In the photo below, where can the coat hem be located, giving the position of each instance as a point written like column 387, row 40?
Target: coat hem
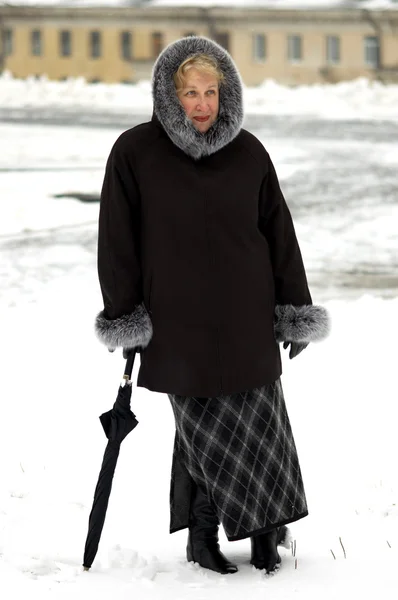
column 214, row 393
column 236, row 538
column 175, row 529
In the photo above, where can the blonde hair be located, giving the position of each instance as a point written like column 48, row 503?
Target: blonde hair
column 202, row 62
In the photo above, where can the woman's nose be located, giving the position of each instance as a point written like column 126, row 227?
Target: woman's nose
column 202, row 103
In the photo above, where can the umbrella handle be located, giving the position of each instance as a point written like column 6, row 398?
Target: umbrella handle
column 129, row 364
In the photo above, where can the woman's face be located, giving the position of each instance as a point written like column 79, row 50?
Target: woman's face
column 200, row 98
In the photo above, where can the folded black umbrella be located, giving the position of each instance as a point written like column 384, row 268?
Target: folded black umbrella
column 117, row 423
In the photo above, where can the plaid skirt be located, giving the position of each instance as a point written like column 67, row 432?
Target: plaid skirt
column 240, row 449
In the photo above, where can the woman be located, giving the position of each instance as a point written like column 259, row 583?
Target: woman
column 199, row 266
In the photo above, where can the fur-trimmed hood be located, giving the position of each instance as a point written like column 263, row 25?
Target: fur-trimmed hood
column 171, row 113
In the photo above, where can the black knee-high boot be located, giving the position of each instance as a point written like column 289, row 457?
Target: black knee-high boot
column 203, row 546
column 264, row 548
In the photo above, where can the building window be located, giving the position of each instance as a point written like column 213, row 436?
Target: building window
column 222, row 39
column 157, row 43
column 65, row 43
column 95, row 44
column 294, row 48
column 332, row 49
column 8, row 42
column 126, row 45
column 36, row 42
column 372, row 51
column 259, row 47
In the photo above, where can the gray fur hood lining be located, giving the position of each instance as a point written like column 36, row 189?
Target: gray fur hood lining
column 171, row 113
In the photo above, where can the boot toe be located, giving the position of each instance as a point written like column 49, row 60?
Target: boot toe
column 231, row 568
column 213, row 559
column 265, row 552
column 269, row 566
column 216, row 561
column 273, row 567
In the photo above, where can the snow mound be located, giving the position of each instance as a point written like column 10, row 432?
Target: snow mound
column 357, row 99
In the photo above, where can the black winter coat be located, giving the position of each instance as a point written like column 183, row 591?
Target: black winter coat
column 197, row 255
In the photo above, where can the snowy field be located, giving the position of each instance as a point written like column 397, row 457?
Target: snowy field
column 339, row 177
column 358, row 99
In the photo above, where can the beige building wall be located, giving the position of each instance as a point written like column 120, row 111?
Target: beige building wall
column 111, row 67
column 314, row 65
column 390, row 48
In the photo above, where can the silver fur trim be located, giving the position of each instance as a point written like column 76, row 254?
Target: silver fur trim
column 171, row 113
column 127, row 331
column 305, row 323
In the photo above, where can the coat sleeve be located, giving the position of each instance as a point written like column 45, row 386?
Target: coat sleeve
column 296, row 318
column 124, row 320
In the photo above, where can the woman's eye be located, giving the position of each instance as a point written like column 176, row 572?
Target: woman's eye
column 192, row 93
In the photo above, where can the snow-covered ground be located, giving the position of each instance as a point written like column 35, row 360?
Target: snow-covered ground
column 358, row 99
column 339, row 180
column 57, row 379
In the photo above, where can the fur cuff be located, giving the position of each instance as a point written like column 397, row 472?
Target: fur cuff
column 127, row 331
column 303, row 324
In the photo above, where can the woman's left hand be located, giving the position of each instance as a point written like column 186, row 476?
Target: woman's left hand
column 295, row 348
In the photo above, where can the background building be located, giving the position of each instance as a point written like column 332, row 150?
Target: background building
column 296, row 45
